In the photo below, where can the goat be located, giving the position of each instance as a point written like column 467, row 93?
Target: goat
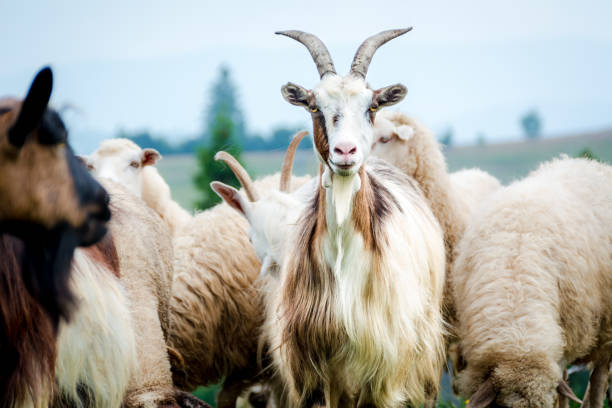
column 357, row 313
column 49, row 205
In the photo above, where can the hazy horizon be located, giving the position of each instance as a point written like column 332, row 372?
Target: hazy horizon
column 475, row 67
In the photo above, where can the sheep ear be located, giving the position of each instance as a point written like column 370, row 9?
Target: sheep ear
column 564, row 389
column 484, row 396
column 150, row 157
column 404, row 132
column 296, row 95
column 231, row 196
column 389, row 95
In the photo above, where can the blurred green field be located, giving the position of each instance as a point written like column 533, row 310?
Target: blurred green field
column 507, row 161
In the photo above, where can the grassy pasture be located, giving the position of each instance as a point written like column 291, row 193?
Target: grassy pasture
column 507, row 161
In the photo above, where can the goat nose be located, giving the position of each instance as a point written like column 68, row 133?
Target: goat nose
column 345, row 149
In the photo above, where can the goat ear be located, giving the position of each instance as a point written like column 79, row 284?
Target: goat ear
column 231, row 196
column 150, row 157
column 484, row 396
column 32, row 108
column 389, row 95
column 296, row 95
column 564, row 389
column 186, row 400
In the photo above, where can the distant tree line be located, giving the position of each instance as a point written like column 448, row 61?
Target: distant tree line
column 277, row 139
column 223, row 101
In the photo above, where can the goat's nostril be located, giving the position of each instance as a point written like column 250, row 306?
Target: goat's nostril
column 345, row 149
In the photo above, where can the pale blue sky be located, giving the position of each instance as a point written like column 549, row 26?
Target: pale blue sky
column 472, row 65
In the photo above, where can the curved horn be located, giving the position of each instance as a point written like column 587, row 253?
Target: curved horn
column 240, row 173
column 285, row 180
column 317, row 49
column 363, row 56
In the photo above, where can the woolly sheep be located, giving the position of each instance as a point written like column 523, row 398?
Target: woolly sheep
column 411, row 147
column 114, row 350
column 532, row 282
column 215, row 306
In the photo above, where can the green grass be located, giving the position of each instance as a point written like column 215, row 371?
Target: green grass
column 505, row 161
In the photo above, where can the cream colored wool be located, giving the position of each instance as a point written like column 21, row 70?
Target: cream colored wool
column 156, row 193
column 412, row 148
column 216, row 309
column 145, row 253
column 115, row 343
column 473, row 186
column 535, row 270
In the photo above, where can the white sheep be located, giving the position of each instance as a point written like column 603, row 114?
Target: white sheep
column 215, row 307
column 411, row 147
column 113, row 352
column 531, row 282
column 124, row 162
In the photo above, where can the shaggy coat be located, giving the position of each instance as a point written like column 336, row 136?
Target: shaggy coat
column 333, row 326
column 536, row 277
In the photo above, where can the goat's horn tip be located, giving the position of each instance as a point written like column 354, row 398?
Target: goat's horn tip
column 219, row 155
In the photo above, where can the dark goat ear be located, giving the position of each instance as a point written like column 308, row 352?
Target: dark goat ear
column 295, row 94
column 33, row 107
column 484, row 396
column 389, row 95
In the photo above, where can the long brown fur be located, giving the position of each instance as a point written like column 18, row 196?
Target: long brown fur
column 27, row 337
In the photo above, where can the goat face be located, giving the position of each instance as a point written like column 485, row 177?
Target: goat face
column 44, row 186
column 122, row 161
column 343, row 109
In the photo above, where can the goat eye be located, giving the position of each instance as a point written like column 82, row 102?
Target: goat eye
column 384, row 139
column 135, row 164
column 90, row 167
column 313, row 109
column 373, row 108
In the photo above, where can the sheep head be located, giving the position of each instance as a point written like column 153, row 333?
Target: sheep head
column 122, row 161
